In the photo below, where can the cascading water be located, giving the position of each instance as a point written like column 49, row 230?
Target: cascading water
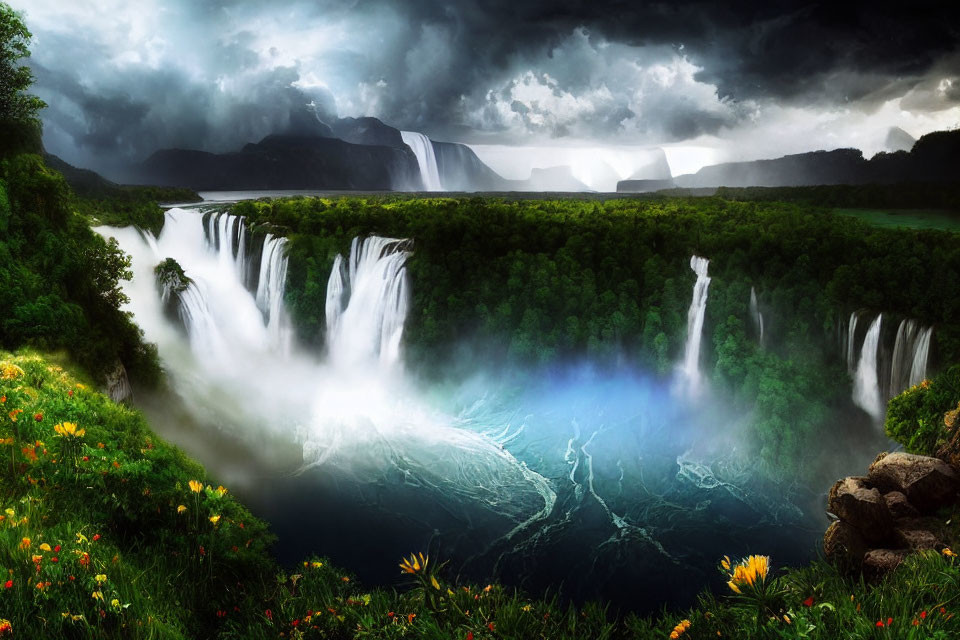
column 921, row 354
column 270, row 290
column 866, row 383
column 367, row 306
column 426, row 158
column 690, row 377
column 756, row 315
column 851, row 343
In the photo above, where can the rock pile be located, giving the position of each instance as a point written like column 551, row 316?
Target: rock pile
column 883, row 516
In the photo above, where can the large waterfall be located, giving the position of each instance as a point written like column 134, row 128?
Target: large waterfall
column 866, row 382
column 426, row 158
column 367, row 301
column 690, row 376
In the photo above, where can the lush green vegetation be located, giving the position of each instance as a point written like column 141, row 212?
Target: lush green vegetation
column 909, row 195
column 106, row 531
column 538, row 281
column 906, row 218
column 915, row 417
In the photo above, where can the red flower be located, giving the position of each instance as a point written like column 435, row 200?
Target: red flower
column 56, row 549
column 943, row 611
column 889, row 621
column 8, row 584
column 490, row 626
column 879, row 623
column 70, row 393
column 96, row 537
column 86, row 458
column 295, row 622
column 923, row 615
column 469, row 635
column 916, row 622
column 808, row 602
column 72, row 578
column 54, row 559
column 390, row 614
column 269, row 614
column 38, row 417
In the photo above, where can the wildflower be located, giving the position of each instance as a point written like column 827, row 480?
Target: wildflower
column 490, row 626
column 808, row 602
column 36, row 559
column 5, row 627
column 725, row 563
column 943, row 611
column 86, row 458
column 38, row 417
column 526, row 607
column 69, row 430
column 181, row 508
column 749, row 572
column 916, row 622
column 195, row 486
column 54, row 559
column 14, row 413
column 56, row 549
column 115, row 603
column 96, row 537
column 390, row 614
column 215, row 519
column 97, row 595
column 70, row 393
column 889, row 621
column 316, row 565
column 11, row 372
column 8, row 584
column 469, row 635
column 45, row 547
column 6, row 440
column 680, row 629
column 101, row 578
column 345, row 579
column 220, row 491
column 433, row 581
column 410, row 617
column 879, row 623
column 948, row 553
column 786, row 619
column 923, row 615
column 25, row 543
column 415, row 564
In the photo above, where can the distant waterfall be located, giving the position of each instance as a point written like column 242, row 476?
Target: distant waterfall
column 270, row 290
column 866, row 383
column 426, row 158
column 367, row 301
column 852, row 343
column 921, row 353
column 755, row 314
column 690, row 369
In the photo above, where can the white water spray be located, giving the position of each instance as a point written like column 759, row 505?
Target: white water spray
column 921, row 354
column 691, row 381
column 851, row 343
column 866, row 384
column 426, row 158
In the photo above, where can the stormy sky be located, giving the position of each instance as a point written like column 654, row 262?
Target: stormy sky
column 709, row 82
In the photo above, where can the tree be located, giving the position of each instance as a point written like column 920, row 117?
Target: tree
column 19, row 124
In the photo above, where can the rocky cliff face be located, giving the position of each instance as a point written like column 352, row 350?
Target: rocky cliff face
column 286, row 162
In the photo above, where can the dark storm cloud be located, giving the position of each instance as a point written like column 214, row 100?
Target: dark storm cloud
column 217, row 74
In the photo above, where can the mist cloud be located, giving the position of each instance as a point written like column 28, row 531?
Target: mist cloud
column 125, row 79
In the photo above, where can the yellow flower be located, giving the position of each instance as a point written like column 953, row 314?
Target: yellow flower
column 97, row 595
column 786, row 619
column 181, row 508
column 11, row 372
column 69, row 430
column 527, row 607
column 433, row 581
column 414, row 564
column 6, row 440
column 749, row 572
column 316, row 565
column 220, row 491
column 101, row 578
column 733, row 586
column 215, row 519
column 10, row 512
column 115, row 603
column 44, row 547
column 195, row 486
column 948, row 552
column 725, row 563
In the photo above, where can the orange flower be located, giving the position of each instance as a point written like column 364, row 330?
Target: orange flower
column 410, row 618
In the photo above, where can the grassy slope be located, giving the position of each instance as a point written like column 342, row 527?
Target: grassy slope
column 94, row 545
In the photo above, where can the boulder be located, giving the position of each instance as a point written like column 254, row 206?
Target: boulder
column 899, row 506
column 878, row 562
column 862, row 508
column 843, row 542
column 915, row 538
column 927, row 482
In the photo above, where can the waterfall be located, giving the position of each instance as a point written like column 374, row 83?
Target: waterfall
column 367, row 302
column 866, row 383
column 690, row 369
column 226, row 234
column 852, row 343
column 755, row 314
column 426, row 158
column 921, row 353
column 270, row 290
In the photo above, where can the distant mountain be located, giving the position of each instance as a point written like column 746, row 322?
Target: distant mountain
column 644, row 186
column 461, row 170
column 286, row 162
column 84, row 182
column 934, row 158
column 553, row 179
column 369, row 131
column 898, row 140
